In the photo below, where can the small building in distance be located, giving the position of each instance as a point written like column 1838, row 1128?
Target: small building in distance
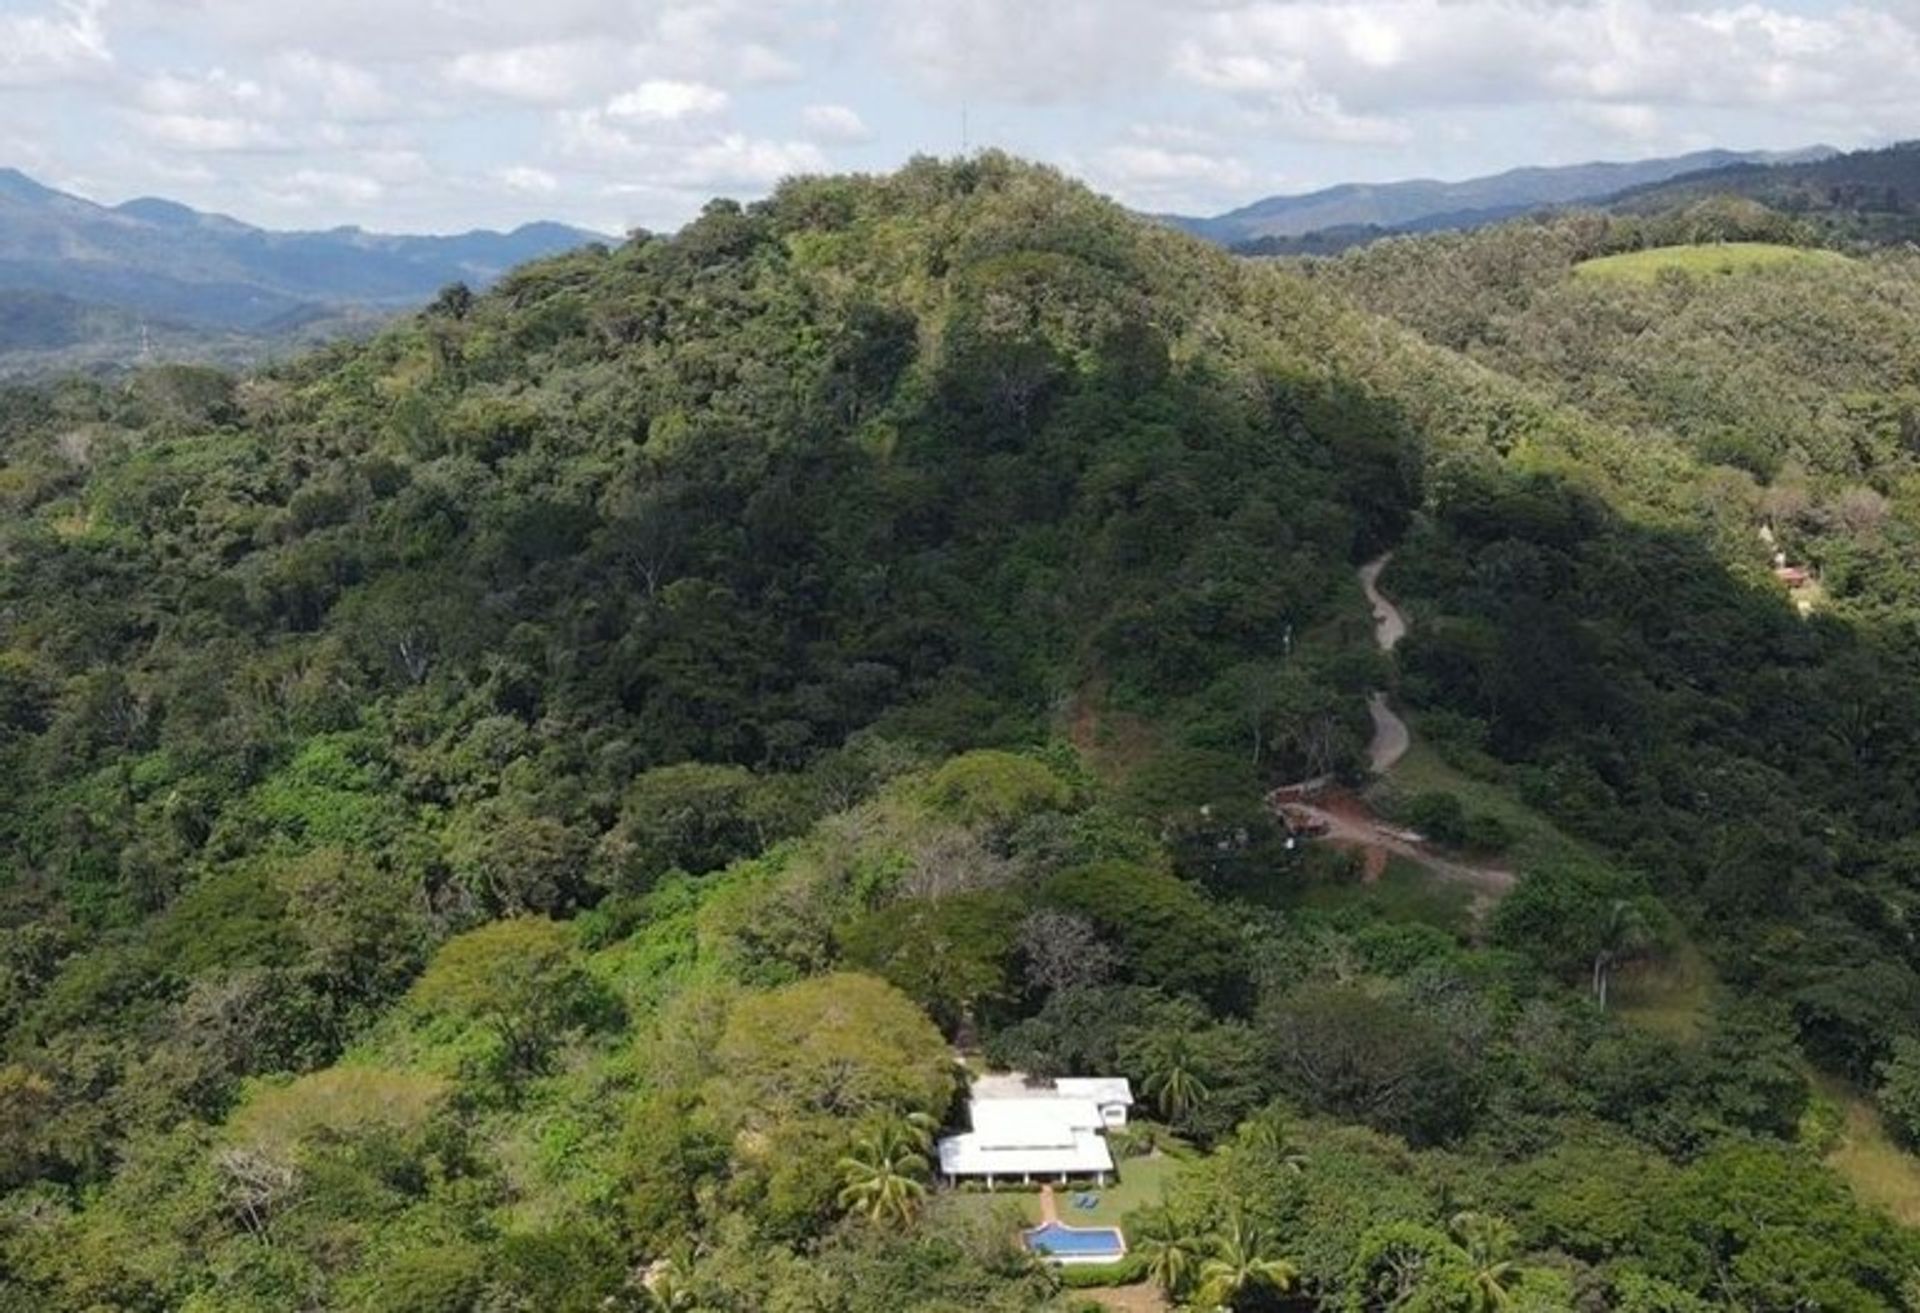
column 1024, row 1135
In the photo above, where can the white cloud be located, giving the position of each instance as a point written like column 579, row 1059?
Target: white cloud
column 551, row 74
column 68, row 41
column 1153, row 164
column 661, row 100
column 343, row 90
column 1037, row 53
column 737, row 161
column 210, row 132
column 1372, row 56
column 527, row 180
column 211, row 93
column 1162, row 178
column 457, row 109
column 1632, row 122
column 395, row 165
column 353, row 189
column 835, row 124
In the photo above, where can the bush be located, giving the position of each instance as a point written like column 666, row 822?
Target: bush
column 1899, row 1092
column 1087, row 1276
column 1439, row 816
column 1487, row 834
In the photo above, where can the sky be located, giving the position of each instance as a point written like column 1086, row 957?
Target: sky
column 442, row 115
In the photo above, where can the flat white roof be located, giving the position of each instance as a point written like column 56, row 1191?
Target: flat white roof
column 964, row 1155
column 1102, row 1090
column 1032, row 1123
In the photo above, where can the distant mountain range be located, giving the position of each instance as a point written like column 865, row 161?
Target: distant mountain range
column 1423, row 204
column 75, row 274
column 1866, row 195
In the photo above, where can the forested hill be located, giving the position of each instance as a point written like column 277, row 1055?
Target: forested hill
column 1869, row 195
column 517, row 814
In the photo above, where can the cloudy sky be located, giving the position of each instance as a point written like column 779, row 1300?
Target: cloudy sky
column 445, row 114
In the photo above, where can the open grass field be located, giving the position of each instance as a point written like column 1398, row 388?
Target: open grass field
column 1536, row 840
column 1718, row 258
column 1403, row 893
column 1880, row 1171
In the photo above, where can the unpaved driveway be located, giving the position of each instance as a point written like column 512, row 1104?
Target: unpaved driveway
column 1348, row 821
column 1391, row 738
column 1389, row 626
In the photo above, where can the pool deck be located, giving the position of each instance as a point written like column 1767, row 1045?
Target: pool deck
column 1049, row 1206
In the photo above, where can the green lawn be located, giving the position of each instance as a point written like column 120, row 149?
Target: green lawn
column 1021, row 1208
column 1706, row 259
column 1403, row 893
column 1140, row 1183
column 1536, row 840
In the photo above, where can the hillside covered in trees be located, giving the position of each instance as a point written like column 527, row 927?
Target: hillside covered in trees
column 521, row 813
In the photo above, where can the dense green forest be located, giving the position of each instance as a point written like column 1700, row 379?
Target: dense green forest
column 521, row 813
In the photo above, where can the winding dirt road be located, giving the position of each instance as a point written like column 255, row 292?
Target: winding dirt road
column 1389, row 626
column 1391, row 738
column 1346, row 819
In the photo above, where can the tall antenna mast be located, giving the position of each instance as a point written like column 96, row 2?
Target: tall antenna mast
column 965, row 144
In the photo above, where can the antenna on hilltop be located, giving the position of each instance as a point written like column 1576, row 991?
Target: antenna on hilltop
column 965, row 145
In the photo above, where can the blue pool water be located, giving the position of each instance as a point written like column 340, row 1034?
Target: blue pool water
column 1058, row 1240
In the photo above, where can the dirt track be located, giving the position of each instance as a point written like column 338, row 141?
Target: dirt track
column 1348, row 820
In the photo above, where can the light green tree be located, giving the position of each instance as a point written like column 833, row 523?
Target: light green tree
column 1239, row 1267
column 1171, row 1078
column 1173, row 1254
column 886, row 1174
column 1489, row 1243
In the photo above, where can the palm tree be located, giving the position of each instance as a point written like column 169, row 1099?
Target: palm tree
column 915, row 1130
column 1489, row 1244
column 1624, row 935
column 1268, row 1134
column 885, row 1175
column 1173, row 1255
column 1171, row 1080
column 1237, row 1267
column 665, row 1290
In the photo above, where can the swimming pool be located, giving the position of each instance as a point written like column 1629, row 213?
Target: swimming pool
column 1074, row 1244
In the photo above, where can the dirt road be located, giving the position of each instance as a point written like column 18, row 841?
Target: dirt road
column 1389, row 626
column 1347, row 820
column 1391, row 738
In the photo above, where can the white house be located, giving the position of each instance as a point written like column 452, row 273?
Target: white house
column 1049, row 1136
column 1112, row 1095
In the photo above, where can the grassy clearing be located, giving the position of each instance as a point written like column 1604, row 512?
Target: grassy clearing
column 1670, row 997
column 1707, row 260
column 1403, row 893
column 1536, row 840
column 1880, row 1171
